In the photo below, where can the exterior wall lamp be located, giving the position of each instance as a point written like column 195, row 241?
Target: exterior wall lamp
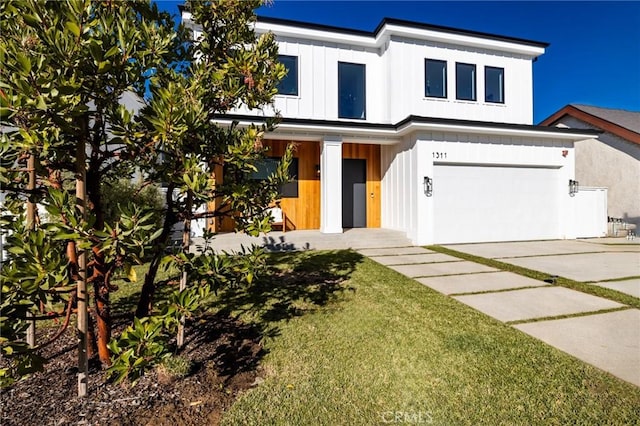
column 573, row 187
column 428, row 186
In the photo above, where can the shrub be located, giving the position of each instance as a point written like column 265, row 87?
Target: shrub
column 117, row 194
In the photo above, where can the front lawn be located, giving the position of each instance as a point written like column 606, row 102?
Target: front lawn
column 380, row 348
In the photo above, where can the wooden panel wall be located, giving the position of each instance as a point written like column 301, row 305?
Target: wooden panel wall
column 371, row 153
column 302, row 212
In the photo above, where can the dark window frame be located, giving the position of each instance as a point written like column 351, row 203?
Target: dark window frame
column 295, row 92
column 445, row 77
column 341, row 113
column 290, row 189
column 486, row 99
column 474, row 87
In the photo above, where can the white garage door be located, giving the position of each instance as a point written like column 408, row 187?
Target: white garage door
column 495, row 203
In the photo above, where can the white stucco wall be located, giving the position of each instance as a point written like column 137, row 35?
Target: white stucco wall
column 613, row 163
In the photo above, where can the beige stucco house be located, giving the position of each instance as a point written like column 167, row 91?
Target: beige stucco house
column 612, row 160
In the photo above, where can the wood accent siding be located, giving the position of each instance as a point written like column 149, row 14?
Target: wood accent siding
column 371, row 153
column 302, row 212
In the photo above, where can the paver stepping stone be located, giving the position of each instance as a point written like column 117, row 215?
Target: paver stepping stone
column 610, row 341
column 446, row 268
column 415, row 258
column 475, row 283
column 391, row 251
column 584, row 267
column 534, row 303
column 631, row 287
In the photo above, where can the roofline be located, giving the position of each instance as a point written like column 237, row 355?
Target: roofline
column 593, row 120
column 389, row 27
column 400, row 22
column 416, row 123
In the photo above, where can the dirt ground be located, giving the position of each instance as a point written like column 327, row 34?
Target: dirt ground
column 225, row 355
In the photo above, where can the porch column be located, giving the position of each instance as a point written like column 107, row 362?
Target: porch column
column 331, row 185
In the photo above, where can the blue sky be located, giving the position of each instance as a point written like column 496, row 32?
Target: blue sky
column 593, row 59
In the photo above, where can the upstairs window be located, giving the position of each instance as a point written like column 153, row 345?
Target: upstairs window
column 266, row 168
column 289, row 84
column 435, row 78
column 494, row 85
column 351, row 90
column 465, row 82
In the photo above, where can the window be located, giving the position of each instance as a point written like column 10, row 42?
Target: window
column 268, row 166
column 465, row 82
column 435, row 78
column 289, row 84
column 494, row 85
column 351, row 90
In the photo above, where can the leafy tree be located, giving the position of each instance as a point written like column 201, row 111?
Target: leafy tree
column 66, row 67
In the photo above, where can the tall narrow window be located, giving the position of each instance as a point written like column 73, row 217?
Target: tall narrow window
column 435, row 78
column 465, row 82
column 289, row 84
column 351, row 90
column 494, row 85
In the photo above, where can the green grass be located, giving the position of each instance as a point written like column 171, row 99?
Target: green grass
column 595, row 290
column 379, row 347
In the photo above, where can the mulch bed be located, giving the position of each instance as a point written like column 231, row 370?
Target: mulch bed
column 225, row 354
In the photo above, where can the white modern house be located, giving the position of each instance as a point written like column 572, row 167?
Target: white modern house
column 418, row 128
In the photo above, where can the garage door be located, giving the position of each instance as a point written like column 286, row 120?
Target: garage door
column 495, row 203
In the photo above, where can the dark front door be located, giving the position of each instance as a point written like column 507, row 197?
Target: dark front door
column 354, row 193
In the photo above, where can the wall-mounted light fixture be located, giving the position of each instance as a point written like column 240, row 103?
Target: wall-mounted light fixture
column 318, row 171
column 573, row 187
column 428, row 186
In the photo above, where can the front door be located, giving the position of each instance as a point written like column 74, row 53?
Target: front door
column 354, row 193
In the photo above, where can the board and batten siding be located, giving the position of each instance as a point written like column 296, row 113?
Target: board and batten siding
column 404, row 166
column 405, row 80
column 395, row 79
column 400, row 186
column 318, row 80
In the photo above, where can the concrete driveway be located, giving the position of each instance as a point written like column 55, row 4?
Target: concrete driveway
column 585, row 261
column 594, row 329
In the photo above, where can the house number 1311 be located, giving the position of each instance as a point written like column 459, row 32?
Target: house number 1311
column 440, row 155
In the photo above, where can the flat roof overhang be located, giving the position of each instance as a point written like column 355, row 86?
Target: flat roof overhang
column 389, row 134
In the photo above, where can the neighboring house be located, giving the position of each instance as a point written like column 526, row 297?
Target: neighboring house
column 612, row 160
column 419, row 128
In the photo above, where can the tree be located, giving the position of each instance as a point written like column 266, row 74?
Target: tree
column 67, row 67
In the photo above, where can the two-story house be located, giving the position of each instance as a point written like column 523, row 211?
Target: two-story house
column 418, row 128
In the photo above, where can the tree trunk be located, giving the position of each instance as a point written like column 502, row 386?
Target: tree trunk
column 149, row 287
column 103, row 320
column 186, row 241
column 81, row 286
column 100, row 278
column 31, row 225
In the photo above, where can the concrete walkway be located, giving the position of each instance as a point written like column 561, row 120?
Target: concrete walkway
column 277, row 241
column 599, row 331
